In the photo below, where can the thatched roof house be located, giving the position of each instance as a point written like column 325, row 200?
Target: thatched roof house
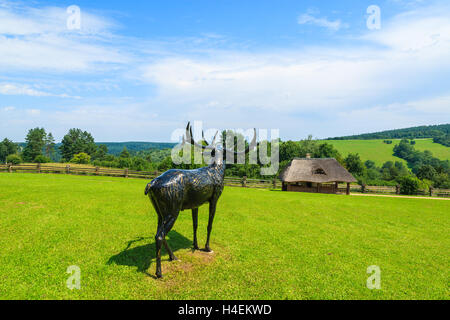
column 315, row 175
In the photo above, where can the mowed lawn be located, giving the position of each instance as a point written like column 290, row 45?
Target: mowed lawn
column 380, row 152
column 267, row 244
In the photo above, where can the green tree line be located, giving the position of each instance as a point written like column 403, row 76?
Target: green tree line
column 79, row 146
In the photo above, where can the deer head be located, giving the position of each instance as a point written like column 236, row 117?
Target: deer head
column 218, row 153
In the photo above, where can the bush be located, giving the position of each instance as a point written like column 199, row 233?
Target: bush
column 139, row 164
column 14, row 159
column 410, row 185
column 124, row 163
column 42, row 159
column 81, row 158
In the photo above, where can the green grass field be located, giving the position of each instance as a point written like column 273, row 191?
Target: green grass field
column 268, row 244
column 380, row 152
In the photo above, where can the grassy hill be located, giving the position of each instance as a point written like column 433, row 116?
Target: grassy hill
column 267, row 244
column 408, row 133
column 381, row 152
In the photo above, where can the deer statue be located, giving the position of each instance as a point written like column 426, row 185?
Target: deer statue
column 177, row 190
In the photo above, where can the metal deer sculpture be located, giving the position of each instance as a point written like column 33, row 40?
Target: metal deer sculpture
column 178, row 190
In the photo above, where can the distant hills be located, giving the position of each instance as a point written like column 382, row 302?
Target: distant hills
column 420, row 132
column 133, row 146
column 115, row 148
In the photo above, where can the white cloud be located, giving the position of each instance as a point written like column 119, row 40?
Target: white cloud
column 405, row 61
column 33, row 112
column 393, row 77
column 26, row 90
column 308, row 18
column 38, row 39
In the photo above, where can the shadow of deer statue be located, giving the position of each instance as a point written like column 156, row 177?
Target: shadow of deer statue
column 177, row 190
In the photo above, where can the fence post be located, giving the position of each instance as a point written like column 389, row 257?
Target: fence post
column 126, row 173
column 274, row 183
column 431, row 191
column 397, row 189
column 68, row 169
column 97, row 169
column 363, row 188
column 348, row 188
column 10, row 167
column 38, row 168
column 244, row 181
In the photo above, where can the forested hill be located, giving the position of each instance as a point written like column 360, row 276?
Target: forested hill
column 116, row 147
column 434, row 131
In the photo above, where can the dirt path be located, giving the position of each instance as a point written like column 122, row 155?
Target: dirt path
column 391, row 196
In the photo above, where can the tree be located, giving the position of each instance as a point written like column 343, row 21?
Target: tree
column 35, row 144
column 101, row 153
column 124, row 153
column 370, row 164
column 138, row 164
column 14, row 159
column 77, row 141
column 426, row 172
column 354, row 164
column 326, row 150
column 409, row 185
column 289, row 150
column 81, row 158
column 42, row 159
column 7, row 147
column 49, row 145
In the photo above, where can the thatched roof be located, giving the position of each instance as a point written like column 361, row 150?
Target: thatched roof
column 315, row 170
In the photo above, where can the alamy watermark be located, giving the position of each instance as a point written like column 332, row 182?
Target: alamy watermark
column 373, row 21
column 266, row 154
column 74, row 281
column 374, row 280
column 73, row 21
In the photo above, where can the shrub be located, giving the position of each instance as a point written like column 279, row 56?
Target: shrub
column 42, row 159
column 81, row 158
column 139, row 164
column 409, row 185
column 124, row 163
column 14, row 159
column 426, row 172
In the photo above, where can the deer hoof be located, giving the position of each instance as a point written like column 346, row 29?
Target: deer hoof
column 159, row 276
column 174, row 258
column 208, row 250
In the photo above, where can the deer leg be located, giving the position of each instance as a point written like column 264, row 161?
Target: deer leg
column 195, row 223
column 159, row 239
column 212, row 212
column 171, row 255
column 167, row 227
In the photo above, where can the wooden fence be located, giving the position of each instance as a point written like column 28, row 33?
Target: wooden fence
column 229, row 181
column 126, row 173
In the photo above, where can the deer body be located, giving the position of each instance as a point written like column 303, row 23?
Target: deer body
column 189, row 189
column 177, row 190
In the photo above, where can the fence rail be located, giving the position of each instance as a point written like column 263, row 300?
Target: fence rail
column 228, row 181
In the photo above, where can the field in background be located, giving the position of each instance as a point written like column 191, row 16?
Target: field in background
column 380, row 152
column 268, row 244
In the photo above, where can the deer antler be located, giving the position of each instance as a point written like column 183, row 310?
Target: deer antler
column 251, row 146
column 210, row 146
column 214, row 139
column 190, row 139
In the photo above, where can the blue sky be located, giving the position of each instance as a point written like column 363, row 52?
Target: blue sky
column 138, row 70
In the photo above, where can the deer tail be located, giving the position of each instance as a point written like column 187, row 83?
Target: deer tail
column 147, row 189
